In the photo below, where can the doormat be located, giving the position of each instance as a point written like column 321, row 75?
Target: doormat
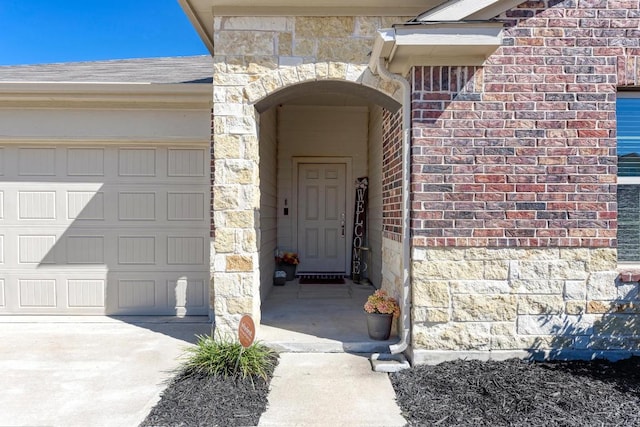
column 321, row 280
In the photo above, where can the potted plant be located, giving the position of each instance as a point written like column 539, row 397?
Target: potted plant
column 381, row 309
column 287, row 262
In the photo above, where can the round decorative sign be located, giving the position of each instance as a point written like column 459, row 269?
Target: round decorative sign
column 246, row 331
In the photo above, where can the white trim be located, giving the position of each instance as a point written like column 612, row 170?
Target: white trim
column 58, row 141
column 194, row 96
column 202, row 28
column 349, row 195
column 459, row 10
column 406, row 46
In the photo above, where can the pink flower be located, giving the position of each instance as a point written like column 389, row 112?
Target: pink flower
column 380, row 302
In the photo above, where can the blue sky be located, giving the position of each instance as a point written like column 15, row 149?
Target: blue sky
column 48, row 31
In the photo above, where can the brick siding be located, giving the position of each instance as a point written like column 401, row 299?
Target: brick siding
column 521, row 152
column 392, row 175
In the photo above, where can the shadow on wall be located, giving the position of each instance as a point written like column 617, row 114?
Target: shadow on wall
column 603, row 329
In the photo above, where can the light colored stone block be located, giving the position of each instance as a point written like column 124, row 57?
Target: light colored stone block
column 325, row 26
column 556, row 324
column 431, row 315
column 617, row 325
column 285, row 44
column 575, row 254
column 244, row 43
column 449, row 270
column 599, row 307
column 483, row 308
column 445, row 254
column 575, row 307
column 307, row 72
column 355, row 51
column 540, row 304
column 535, row 270
column 453, row 336
column 225, row 241
column 239, row 263
column 602, row 286
column 226, row 197
column 255, row 91
column 480, row 287
column 627, row 291
column 249, row 240
column 305, row 47
column 603, row 259
column 429, row 293
column 260, row 64
column 496, row 270
column 241, row 125
column 538, row 286
column 255, row 24
column 366, row 26
column 289, row 76
column 575, row 289
column 568, row 270
column 337, row 70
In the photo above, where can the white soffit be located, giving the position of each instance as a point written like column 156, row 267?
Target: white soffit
column 458, row 10
column 444, row 43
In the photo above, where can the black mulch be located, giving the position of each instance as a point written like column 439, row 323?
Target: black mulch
column 518, row 393
column 198, row 400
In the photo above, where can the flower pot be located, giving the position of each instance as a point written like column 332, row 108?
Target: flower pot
column 290, row 269
column 379, row 326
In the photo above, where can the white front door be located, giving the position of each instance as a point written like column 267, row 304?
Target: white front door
column 322, row 218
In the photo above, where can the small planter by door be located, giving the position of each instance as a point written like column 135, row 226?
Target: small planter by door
column 290, row 269
column 379, row 326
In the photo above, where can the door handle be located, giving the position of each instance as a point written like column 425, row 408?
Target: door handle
column 342, row 225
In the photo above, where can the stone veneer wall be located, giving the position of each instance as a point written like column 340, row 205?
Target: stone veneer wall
column 514, row 189
column 256, row 57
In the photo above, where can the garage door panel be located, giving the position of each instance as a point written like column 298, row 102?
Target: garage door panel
column 85, row 162
column 95, row 230
column 186, row 162
column 53, row 291
column 137, row 162
column 136, row 206
column 155, row 293
column 37, row 161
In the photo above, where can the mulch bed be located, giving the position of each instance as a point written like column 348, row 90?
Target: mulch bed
column 199, row 400
column 459, row 393
column 518, row 393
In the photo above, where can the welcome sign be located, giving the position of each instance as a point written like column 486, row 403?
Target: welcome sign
column 359, row 227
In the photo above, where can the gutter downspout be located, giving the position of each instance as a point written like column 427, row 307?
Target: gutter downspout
column 406, row 247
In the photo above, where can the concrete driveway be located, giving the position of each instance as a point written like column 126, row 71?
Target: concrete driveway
column 87, row 371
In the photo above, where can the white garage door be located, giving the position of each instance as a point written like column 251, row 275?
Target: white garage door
column 104, row 230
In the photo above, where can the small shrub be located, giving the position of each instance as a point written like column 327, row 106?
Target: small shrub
column 228, row 358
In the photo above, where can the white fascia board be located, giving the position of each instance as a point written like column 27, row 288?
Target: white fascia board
column 383, row 46
column 406, row 46
column 202, row 21
column 111, row 95
column 445, row 34
column 458, row 10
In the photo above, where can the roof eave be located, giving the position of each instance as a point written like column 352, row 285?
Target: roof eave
column 194, row 96
column 196, row 19
column 442, row 43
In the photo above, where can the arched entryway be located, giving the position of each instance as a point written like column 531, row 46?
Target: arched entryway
column 315, row 139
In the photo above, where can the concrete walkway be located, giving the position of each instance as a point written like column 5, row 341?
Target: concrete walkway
column 87, row 371
column 101, row 371
column 330, row 389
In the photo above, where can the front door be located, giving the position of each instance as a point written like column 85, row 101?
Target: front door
column 321, row 218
